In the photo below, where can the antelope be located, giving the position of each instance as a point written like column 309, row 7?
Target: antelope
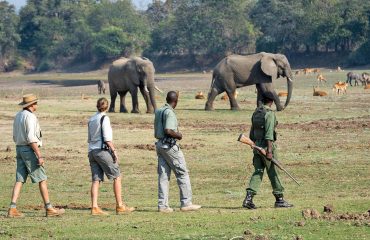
column 83, row 97
column 320, row 78
column 225, row 97
column 340, row 87
column 199, row 95
column 367, row 86
column 282, row 94
column 319, row 93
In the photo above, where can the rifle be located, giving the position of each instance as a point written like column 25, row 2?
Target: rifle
column 246, row 140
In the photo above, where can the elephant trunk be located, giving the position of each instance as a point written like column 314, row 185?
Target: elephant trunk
column 290, row 90
column 152, row 96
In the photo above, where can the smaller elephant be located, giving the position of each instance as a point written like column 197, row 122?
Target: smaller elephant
column 365, row 78
column 101, row 86
column 353, row 76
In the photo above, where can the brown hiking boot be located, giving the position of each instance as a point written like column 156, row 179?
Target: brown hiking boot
column 14, row 213
column 124, row 209
column 97, row 211
column 53, row 212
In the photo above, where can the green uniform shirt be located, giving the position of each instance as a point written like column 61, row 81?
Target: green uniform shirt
column 169, row 121
column 269, row 128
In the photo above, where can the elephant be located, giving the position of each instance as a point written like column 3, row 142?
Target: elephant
column 353, row 76
column 127, row 75
column 261, row 69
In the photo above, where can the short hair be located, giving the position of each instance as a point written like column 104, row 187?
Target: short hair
column 171, row 97
column 102, row 104
column 267, row 99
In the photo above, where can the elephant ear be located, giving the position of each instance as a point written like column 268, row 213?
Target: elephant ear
column 268, row 66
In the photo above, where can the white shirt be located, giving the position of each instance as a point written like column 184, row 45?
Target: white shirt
column 26, row 129
column 94, row 137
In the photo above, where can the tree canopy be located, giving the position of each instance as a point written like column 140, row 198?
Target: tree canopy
column 55, row 33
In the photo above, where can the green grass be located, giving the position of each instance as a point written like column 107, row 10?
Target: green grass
column 324, row 142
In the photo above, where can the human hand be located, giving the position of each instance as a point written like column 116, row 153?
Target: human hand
column 41, row 161
column 115, row 157
column 269, row 155
column 179, row 136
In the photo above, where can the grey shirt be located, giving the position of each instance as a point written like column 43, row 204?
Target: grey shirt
column 26, row 129
column 94, row 136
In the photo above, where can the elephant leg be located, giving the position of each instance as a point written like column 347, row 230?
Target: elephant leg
column 233, row 103
column 211, row 97
column 113, row 96
column 149, row 105
column 123, row 102
column 135, row 101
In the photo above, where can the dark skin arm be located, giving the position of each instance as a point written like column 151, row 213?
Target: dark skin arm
column 173, row 134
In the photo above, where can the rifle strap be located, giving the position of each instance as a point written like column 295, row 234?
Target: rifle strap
column 101, row 131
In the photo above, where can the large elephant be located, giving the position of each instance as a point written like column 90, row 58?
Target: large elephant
column 127, row 75
column 261, row 69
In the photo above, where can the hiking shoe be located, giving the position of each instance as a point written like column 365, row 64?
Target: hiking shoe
column 53, row 212
column 165, row 210
column 280, row 202
column 191, row 207
column 97, row 211
column 14, row 213
column 124, row 209
column 248, row 201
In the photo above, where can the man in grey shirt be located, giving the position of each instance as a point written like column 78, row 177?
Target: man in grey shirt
column 170, row 157
column 27, row 137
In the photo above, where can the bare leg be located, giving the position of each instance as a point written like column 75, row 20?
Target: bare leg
column 117, row 191
column 44, row 191
column 94, row 193
column 16, row 191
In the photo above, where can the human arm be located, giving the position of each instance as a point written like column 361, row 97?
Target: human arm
column 111, row 146
column 37, row 151
column 170, row 128
column 270, row 120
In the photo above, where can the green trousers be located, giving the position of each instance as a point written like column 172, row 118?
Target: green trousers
column 259, row 167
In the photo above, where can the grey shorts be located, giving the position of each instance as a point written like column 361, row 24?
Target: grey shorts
column 102, row 162
column 27, row 165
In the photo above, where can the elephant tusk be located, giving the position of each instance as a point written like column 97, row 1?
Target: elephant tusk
column 159, row 90
column 290, row 79
column 146, row 89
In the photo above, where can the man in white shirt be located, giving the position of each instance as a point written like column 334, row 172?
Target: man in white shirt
column 103, row 159
column 27, row 137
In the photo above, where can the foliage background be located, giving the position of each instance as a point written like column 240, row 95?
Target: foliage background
column 54, row 34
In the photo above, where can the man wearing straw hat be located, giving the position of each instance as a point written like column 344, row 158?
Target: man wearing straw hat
column 27, row 137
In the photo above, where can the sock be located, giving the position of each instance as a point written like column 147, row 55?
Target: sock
column 13, row 205
column 48, row 205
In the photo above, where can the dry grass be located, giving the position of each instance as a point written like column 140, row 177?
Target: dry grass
column 323, row 141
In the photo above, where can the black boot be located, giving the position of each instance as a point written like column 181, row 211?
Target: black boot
column 248, row 201
column 280, row 202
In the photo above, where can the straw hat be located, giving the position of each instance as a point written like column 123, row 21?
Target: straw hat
column 28, row 99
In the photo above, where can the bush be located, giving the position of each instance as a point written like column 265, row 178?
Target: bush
column 361, row 56
column 45, row 65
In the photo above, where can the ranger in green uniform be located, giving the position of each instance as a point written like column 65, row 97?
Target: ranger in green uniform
column 263, row 134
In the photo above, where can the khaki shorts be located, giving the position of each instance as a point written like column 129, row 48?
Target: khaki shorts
column 27, row 165
column 102, row 162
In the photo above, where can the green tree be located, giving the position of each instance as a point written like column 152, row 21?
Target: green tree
column 9, row 36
